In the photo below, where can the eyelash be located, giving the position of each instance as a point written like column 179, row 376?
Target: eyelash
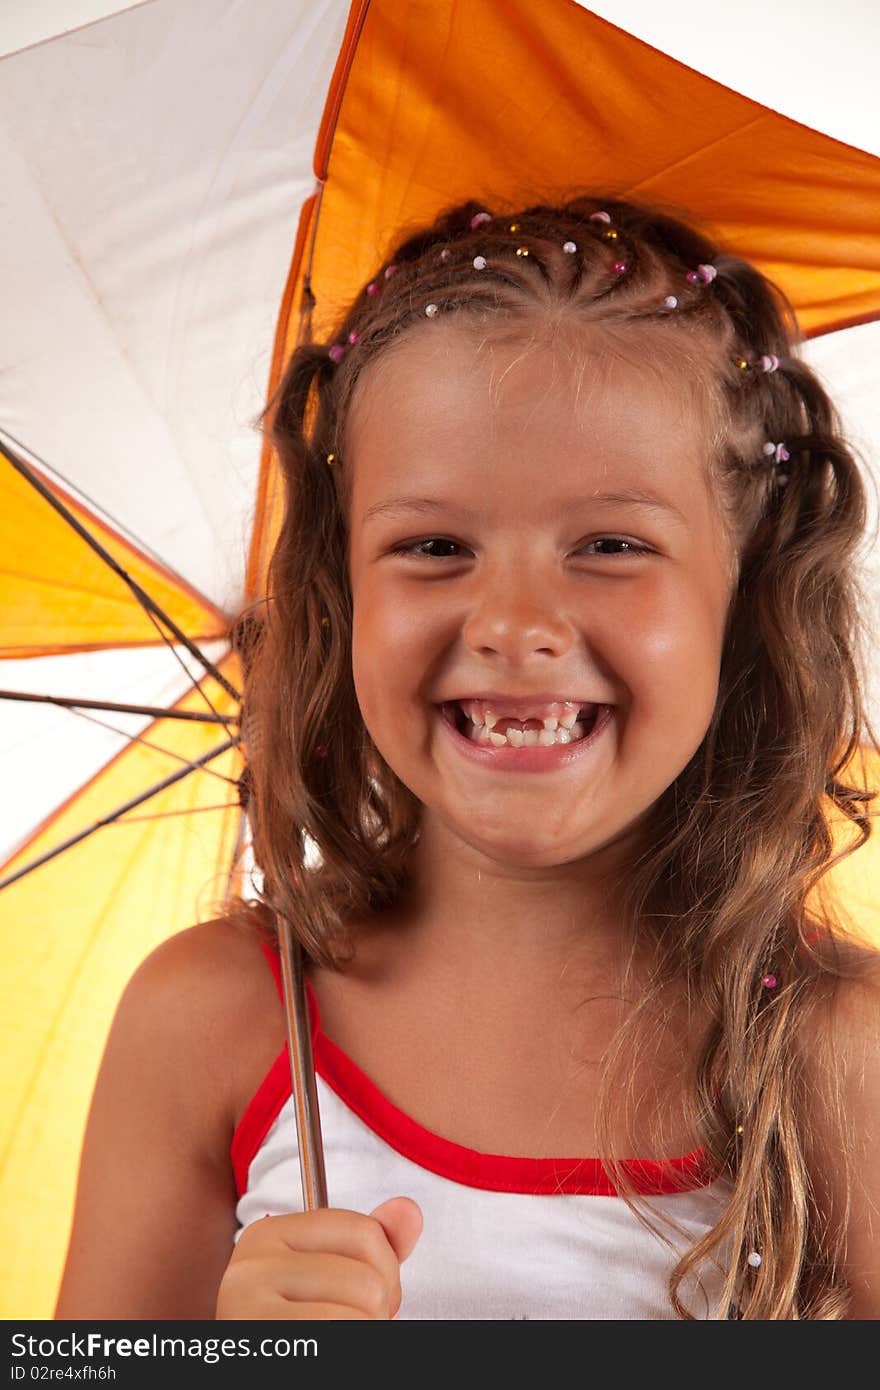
column 409, row 547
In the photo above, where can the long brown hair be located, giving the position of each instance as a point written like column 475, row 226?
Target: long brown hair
column 740, row 840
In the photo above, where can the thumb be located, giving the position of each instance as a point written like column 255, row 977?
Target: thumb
column 402, row 1221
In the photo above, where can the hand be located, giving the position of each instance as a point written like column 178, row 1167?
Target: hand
column 327, row 1264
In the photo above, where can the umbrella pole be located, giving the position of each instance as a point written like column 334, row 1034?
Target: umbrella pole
column 302, row 1070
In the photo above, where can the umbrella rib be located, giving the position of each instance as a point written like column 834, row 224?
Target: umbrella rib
column 120, row 526
column 156, row 748
column 197, row 765
column 237, row 852
column 185, row 811
column 148, row 604
column 196, row 685
column 722, row 139
column 115, row 707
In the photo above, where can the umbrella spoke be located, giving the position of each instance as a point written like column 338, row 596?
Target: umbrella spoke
column 150, row 607
column 138, row 738
column 184, row 811
column 182, row 664
column 197, row 765
column 80, row 491
column 155, row 711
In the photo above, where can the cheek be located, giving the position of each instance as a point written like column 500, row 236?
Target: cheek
column 388, row 655
column 677, row 651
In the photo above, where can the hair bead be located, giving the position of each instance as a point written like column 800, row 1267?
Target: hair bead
column 671, row 302
column 778, row 452
column 480, row 262
column 514, row 227
column 430, row 310
column 522, row 250
column 619, row 267
column 769, row 981
column 600, row 217
column 741, row 363
column 389, row 271
column 754, row 1260
column 569, row 247
column 354, row 338
column 336, row 353
column 444, row 254
column 769, row 363
column 331, row 459
column 478, row 218
column 611, row 234
column 372, row 288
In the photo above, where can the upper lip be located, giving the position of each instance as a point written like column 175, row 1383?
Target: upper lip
column 515, row 705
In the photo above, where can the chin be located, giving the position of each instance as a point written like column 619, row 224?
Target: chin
column 525, row 850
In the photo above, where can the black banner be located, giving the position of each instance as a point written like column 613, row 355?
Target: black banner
column 129, row 1355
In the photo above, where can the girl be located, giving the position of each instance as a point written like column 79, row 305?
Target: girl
column 554, row 695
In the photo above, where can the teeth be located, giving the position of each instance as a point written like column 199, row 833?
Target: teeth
column 564, row 714
column 528, row 738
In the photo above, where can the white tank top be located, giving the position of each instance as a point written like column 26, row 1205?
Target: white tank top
column 504, row 1237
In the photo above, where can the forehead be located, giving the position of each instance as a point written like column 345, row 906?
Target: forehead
column 640, row 394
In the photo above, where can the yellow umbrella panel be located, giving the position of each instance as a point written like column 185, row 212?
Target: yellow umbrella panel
column 76, row 929
column 57, row 593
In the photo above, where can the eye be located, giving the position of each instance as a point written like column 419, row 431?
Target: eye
column 632, row 547
column 412, row 548
column 415, row 547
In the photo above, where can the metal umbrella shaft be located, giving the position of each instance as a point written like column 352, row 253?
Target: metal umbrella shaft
column 302, row 1070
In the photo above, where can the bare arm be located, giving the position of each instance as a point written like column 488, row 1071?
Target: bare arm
column 155, row 1208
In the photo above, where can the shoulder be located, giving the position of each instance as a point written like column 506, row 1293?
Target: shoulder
column 206, row 1001
column 212, row 960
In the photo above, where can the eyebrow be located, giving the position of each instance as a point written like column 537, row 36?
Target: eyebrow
column 423, row 506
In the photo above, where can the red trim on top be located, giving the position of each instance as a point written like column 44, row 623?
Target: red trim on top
column 493, row 1172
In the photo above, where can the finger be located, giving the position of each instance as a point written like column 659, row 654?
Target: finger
column 330, row 1230
column 319, row 1278
column 402, row 1221
column 279, row 1310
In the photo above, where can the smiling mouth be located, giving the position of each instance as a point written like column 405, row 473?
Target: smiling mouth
column 523, row 733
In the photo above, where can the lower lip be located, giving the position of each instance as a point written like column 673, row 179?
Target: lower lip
column 535, row 759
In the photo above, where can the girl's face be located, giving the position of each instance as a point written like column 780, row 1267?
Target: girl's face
column 515, row 450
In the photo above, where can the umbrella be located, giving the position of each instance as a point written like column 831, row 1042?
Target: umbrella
column 163, row 236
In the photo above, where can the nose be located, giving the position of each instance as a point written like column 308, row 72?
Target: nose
column 513, row 616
